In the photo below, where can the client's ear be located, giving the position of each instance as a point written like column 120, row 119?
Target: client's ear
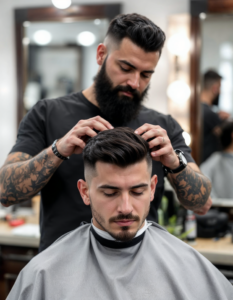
column 84, row 192
column 153, row 183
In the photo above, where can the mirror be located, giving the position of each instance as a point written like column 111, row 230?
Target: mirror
column 60, row 57
column 55, row 50
column 211, row 36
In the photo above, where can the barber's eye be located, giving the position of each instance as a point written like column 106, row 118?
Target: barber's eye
column 145, row 76
column 124, row 70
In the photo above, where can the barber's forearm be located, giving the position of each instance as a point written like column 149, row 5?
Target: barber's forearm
column 192, row 188
column 21, row 180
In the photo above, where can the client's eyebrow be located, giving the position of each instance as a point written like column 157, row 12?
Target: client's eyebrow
column 106, row 186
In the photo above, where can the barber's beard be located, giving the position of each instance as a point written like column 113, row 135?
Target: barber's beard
column 215, row 101
column 116, row 108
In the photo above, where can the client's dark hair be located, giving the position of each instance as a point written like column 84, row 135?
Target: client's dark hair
column 119, row 146
column 139, row 29
column 226, row 134
column 210, row 77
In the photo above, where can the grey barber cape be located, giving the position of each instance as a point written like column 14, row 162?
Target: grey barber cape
column 154, row 265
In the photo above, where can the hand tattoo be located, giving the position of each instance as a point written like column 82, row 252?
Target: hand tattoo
column 192, row 188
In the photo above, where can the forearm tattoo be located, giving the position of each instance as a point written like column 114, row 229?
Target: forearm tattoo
column 22, row 176
column 192, row 188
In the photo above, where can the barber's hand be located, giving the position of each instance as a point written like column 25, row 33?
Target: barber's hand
column 202, row 211
column 160, row 145
column 75, row 140
column 223, row 115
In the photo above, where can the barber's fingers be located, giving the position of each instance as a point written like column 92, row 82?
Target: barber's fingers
column 145, row 128
column 97, row 123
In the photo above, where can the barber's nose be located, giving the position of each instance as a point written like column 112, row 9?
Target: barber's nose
column 125, row 206
column 134, row 81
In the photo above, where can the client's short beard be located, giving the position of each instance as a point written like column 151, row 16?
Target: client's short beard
column 124, row 235
column 119, row 110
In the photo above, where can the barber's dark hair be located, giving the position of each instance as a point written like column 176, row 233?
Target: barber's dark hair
column 139, row 29
column 226, row 134
column 210, row 77
column 119, row 146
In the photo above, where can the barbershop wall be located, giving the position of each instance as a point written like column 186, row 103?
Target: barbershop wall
column 158, row 11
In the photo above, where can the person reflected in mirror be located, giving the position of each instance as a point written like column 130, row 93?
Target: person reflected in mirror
column 219, row 166
column 119, row 255
column 211, row 120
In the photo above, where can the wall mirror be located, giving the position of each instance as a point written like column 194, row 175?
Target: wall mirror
column 212, row 48
column 56, row 50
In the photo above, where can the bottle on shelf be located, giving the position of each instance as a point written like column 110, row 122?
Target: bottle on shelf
column 191, row 226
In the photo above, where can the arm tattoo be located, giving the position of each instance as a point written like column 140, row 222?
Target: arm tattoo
column 20, row 179
column 192, row 188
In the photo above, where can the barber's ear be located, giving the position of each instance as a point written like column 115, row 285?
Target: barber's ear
column 84, row 191
column 101, row 54
column 153, row 183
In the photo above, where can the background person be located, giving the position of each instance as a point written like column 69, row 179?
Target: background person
column 120, row 255
column 126, row 59
column 210, row 119
column 219, row 166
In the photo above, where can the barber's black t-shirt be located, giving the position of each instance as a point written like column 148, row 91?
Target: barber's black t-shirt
column 62, row 208
column 210, row 141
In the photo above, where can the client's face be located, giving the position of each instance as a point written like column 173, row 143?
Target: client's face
column 120, row 198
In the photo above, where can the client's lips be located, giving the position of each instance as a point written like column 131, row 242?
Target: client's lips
column 124, row 222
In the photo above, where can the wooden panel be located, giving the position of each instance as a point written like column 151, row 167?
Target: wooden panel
column 220, row 6
column 195, row 114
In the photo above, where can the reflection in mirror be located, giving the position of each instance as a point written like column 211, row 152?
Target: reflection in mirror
column 216, row 67
column 60, row 57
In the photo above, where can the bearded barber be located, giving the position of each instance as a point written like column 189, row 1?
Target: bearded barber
column 54, row 130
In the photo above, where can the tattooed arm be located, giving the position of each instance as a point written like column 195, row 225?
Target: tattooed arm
column 192, row 188
column 23, row 176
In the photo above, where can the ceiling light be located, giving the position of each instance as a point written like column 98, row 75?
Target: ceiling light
column 202, row 16
column 178, row 91
column 42, row 37
column 26, row 24
column 61, row 4
column 97, row 21
column 86, row 38
column 26, row 41
column 178, row 44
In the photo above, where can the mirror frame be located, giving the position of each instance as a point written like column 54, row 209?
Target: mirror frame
column 197, row 7
column 40, row 14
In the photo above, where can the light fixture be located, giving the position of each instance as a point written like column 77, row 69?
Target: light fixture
column 226, row 51
column 97, row 21
column 42, row 37
column 61, row 4
column 26, row 24
column 86, row 38
column 178, row 44
column 178, row 91
column 26, row 41
column 202, row 16
column 187, row 138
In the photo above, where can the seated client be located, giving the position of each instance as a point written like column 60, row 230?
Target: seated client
column 120, row 255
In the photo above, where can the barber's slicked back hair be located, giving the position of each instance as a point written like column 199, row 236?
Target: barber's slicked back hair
column 139, row 29
column 119, row 146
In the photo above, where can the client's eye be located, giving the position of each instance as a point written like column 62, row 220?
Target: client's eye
column 110, row 195
column 137, row 194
